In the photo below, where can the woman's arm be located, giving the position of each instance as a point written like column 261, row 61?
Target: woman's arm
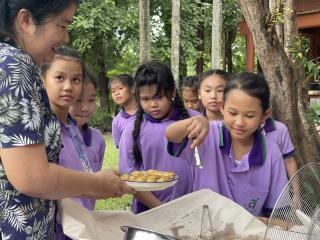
column 29, row 171
column 196, row 128
column 148, row 199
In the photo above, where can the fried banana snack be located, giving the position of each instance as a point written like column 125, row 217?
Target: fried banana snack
column 148, row 176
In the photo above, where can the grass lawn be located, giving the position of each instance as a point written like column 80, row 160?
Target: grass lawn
column 111, row 161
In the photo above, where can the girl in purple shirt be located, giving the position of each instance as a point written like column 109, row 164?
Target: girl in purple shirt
column 211, row 88
column 63, row 79
column 121, row 87
column 238, row 161
column 82, row 111
column 278, row 133
column 189, row 93
column 143, row 143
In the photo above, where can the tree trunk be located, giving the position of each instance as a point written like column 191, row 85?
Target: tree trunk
column 200, row 48
column 183, row 68
column 276, row 7
column 144, row 30
column 284, row 81
column 175, row 40
column 224, row 46
column 103, row 86
column 230, row 37
column 103, row 80
column 290, row 29
column 216, row 33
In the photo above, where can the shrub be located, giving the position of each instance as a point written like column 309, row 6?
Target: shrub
column 101, row 120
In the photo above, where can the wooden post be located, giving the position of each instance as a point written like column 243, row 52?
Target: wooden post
column 250, row 53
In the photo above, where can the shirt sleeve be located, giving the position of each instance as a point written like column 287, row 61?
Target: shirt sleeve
column 21, row 115
column 286, row 145
column 116, row 131
column 175, row 149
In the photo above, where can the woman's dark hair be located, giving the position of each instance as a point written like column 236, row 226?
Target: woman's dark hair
column 63, row 52
column 124, row 78
column 159, row 74
column 215, row 72
column 191, row 82
column 90, row 76
column 253, row 84
column 40, row 11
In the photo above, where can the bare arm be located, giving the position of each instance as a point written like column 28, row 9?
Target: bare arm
column 291, row 166
column 148, row 199
column 291, row 169
column 29, row 171
column 196, row 128
column 177, row 131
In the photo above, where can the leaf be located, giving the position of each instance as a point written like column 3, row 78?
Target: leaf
column 310, row 66
column 315, row 73
column 16, row 218
column 10, row 110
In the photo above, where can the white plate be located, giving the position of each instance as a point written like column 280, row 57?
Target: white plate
column 151, row 186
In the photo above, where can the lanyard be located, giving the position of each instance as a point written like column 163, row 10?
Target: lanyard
column 79, row 148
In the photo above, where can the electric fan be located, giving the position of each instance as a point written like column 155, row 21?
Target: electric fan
column 296, row 215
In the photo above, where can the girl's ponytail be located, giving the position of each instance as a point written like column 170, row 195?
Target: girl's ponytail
column 136, row 134
column 180, row 106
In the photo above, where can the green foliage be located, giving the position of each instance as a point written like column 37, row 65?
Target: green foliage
column 299, row 49
column 196, row 14
column 239, row 54
column 108, row 31
column 123, row 203
column 314, row 113
column 192, row 14
column 277, row 16
column 129, row 60
column 100, row 30
column 313, row 68
column 101, row 120
column 101, row 33
column 232, row 15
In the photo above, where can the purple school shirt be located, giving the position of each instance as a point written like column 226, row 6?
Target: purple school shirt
column 69, row 156
column 255, row 183
column 153, row 149
column 119, row 123
column 95, row 146
column 278, row 133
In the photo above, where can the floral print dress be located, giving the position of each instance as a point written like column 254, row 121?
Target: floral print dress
column 25, row 119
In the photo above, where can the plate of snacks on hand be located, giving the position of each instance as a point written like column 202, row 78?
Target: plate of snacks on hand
column 150, row 180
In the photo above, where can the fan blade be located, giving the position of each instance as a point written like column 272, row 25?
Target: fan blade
column 306, row 220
